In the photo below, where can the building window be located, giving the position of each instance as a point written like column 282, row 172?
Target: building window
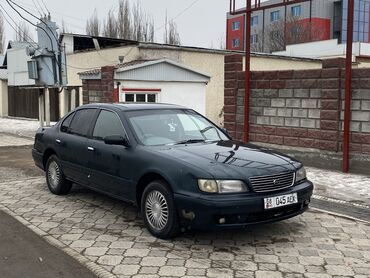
column 140, row 97
column 236, row 43
column 236, row 25
column 254, row 21
column 254, row 38
column 275, row 16
column 296, row 11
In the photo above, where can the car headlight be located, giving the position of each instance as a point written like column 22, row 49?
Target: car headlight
column 300, row 174
column 222, row 186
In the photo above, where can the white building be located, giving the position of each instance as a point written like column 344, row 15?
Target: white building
column 329, row 49
column 162, row 81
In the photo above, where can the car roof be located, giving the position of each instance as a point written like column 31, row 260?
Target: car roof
column 134, row 106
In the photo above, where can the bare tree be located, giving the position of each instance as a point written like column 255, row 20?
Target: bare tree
column 110, row 26
column 124, row 20
column 2, row 34
column 284, row 32
column 23, row 33
column 130, row 22
column 222, row 42
column 93, row 25
column 143, row 24
column 171, row 35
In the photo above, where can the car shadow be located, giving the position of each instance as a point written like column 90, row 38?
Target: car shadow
column 258, row 236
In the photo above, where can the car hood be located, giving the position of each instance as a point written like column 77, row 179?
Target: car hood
column 230, row 159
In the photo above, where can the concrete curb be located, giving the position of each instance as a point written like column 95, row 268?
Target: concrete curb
column 340, row 215
column 337, row 201
column 93, row 267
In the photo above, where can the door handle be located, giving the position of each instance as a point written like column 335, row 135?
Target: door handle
column 58, row 141
column 91, row 149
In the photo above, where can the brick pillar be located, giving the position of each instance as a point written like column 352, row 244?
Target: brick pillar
column 331, row 90
column 107, row 81
column 85, row 91
column 233, row 65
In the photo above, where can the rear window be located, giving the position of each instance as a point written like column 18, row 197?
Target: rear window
column 81, row 122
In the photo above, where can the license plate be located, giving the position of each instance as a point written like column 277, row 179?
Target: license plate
column 280, row 201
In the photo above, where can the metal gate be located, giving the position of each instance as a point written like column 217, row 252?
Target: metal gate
column 23, row 103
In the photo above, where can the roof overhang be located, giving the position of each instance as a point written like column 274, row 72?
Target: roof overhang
column 164, row 70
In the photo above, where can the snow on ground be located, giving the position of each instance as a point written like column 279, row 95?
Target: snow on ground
column 20, row 127
column 337, row 185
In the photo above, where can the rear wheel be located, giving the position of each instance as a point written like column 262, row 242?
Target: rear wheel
column 55, row 179
column 159, row 211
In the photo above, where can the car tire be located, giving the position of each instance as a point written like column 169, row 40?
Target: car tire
column 55, row 179
column 159, row 210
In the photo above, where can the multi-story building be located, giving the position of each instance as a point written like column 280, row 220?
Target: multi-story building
column 314, row 20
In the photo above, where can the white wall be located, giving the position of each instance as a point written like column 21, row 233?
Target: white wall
column 324, row 49
column 17, row 67
column 3, row 98
column 190, row 95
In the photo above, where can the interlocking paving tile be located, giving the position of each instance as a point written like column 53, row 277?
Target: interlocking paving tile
column 111, row 234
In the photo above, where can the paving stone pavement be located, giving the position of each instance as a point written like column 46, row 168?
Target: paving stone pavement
column 111, row 234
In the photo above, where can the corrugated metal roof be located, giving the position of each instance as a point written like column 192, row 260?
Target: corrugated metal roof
column 118, row 66
column 151, row 70
column 162, row 70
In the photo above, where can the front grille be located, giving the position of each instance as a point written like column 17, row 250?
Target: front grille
column 272, row 182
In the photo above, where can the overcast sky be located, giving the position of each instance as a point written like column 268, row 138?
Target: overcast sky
column 200, row 22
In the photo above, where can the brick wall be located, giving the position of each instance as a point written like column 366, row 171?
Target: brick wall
column 298, row 108
column 99, row 90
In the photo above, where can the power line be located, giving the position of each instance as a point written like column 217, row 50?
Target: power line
column 30, row 22
column 45, row 6
column 51, row 41
column 180, row 13
column 47, row 26
column 55, row 12
column 16, row 29
column 34, row 8
column 34, row 3
column 2, row 10
column 42, row 9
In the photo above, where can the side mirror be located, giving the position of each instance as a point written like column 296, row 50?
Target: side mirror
column 116, row 140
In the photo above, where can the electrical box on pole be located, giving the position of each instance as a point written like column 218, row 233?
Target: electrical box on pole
column 48, row 60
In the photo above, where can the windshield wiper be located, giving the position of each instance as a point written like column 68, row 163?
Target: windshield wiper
column 190, row 141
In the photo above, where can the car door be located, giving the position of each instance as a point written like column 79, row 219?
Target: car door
column 71, row 142
column 107, row 164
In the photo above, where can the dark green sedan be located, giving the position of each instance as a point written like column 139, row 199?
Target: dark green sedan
column 178, row 167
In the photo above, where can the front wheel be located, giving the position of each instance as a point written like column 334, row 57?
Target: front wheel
column 159, row 211
column 55, row 179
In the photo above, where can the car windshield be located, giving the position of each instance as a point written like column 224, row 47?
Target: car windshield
column 170, row 127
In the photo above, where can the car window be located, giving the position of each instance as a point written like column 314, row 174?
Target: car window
column 107, row 124
column 81, row 122
column 161, row 127
column 66, row 123
column 196, row 127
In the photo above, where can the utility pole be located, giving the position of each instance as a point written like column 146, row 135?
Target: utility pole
column 347, row 98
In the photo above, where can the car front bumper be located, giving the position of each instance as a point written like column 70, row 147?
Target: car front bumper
column 238, row 211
